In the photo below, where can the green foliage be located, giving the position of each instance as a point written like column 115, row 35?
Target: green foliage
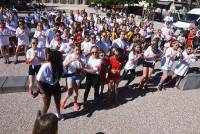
column 114, row 1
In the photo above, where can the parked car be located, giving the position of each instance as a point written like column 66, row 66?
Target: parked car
column 193, row 16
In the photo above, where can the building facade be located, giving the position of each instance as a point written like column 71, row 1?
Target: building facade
column 63, row 1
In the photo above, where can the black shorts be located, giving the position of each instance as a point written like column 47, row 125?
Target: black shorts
column 33, row 69
column 50, row 90
column 13, row 40
column 148, row 64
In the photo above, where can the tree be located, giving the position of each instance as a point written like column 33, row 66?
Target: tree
column 114, row 1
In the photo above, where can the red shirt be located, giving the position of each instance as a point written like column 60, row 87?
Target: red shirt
column 115, row 63
column 191, row 36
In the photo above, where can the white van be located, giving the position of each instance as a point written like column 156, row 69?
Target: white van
column 192, row 15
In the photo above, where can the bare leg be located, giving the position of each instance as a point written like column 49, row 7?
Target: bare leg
column 46, row 104
column 76, row 92
column 31, row 82
column 8, row 53
column 16, row 53
column 163, row 78
column 145, row 75
column 57, row 98
column 116, row 93
column 3, row 53
column 67, row 96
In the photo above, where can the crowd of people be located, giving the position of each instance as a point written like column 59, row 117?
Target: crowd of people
column 78, row 45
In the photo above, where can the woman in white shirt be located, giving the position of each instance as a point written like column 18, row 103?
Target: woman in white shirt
column 48, row 78
column 40, row 35
column 74, row 63
column 5, row 33
column 183, row 66
column 151, row 55
column 92, row 70
column 22, row 33
column 131, row 64
column 34, row 57
column 57, row 41
column 167, row 62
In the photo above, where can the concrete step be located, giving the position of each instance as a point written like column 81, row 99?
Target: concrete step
column 14, row 84
column 191, row 81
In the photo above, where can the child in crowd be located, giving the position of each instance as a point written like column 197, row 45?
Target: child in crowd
column 168, row 61
column 188, row 56
column 151, row 56
column 22, row 33
column 131, row 64
column 45, row 124
column 181, row 39
column 34, row 57
column 116, row 63
column 104, row 70
column 74, row 65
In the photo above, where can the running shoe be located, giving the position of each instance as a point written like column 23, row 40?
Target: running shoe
column 60, row 116
column 159, row 88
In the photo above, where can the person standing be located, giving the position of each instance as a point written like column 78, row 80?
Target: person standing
column 151, row 55
column 34, row 57
column 4, row 41
column 92, row 70
column 48, row 79
column 74, row 63
column 22, row 33
column 131, row 64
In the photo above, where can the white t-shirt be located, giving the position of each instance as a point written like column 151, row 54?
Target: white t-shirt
column 40, row 35
column 167, row 44
column 50, row 35
column 119, row 43
column 149, row 53
column 67, row 48
column 94, row 63
column 168, row 19
column 45, row 74
column 4, row 37
column 55, row 45
column 86, row 47
column 23, row 36
column 181, row 39
column 169, row 58
column 74, row 66
column 183, row 67
column 132, row 63
column 30, row 54
column 165, row 31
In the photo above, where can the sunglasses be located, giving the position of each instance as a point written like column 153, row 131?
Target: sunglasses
column 58, row 35
column 94, row 52
column 33, row 42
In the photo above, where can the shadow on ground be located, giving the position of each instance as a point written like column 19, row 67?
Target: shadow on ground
column 126, row 94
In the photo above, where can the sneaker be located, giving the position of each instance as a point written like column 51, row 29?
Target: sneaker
column 159, row 88
column 76, row 107
column 62, row 104
column 60, row 116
